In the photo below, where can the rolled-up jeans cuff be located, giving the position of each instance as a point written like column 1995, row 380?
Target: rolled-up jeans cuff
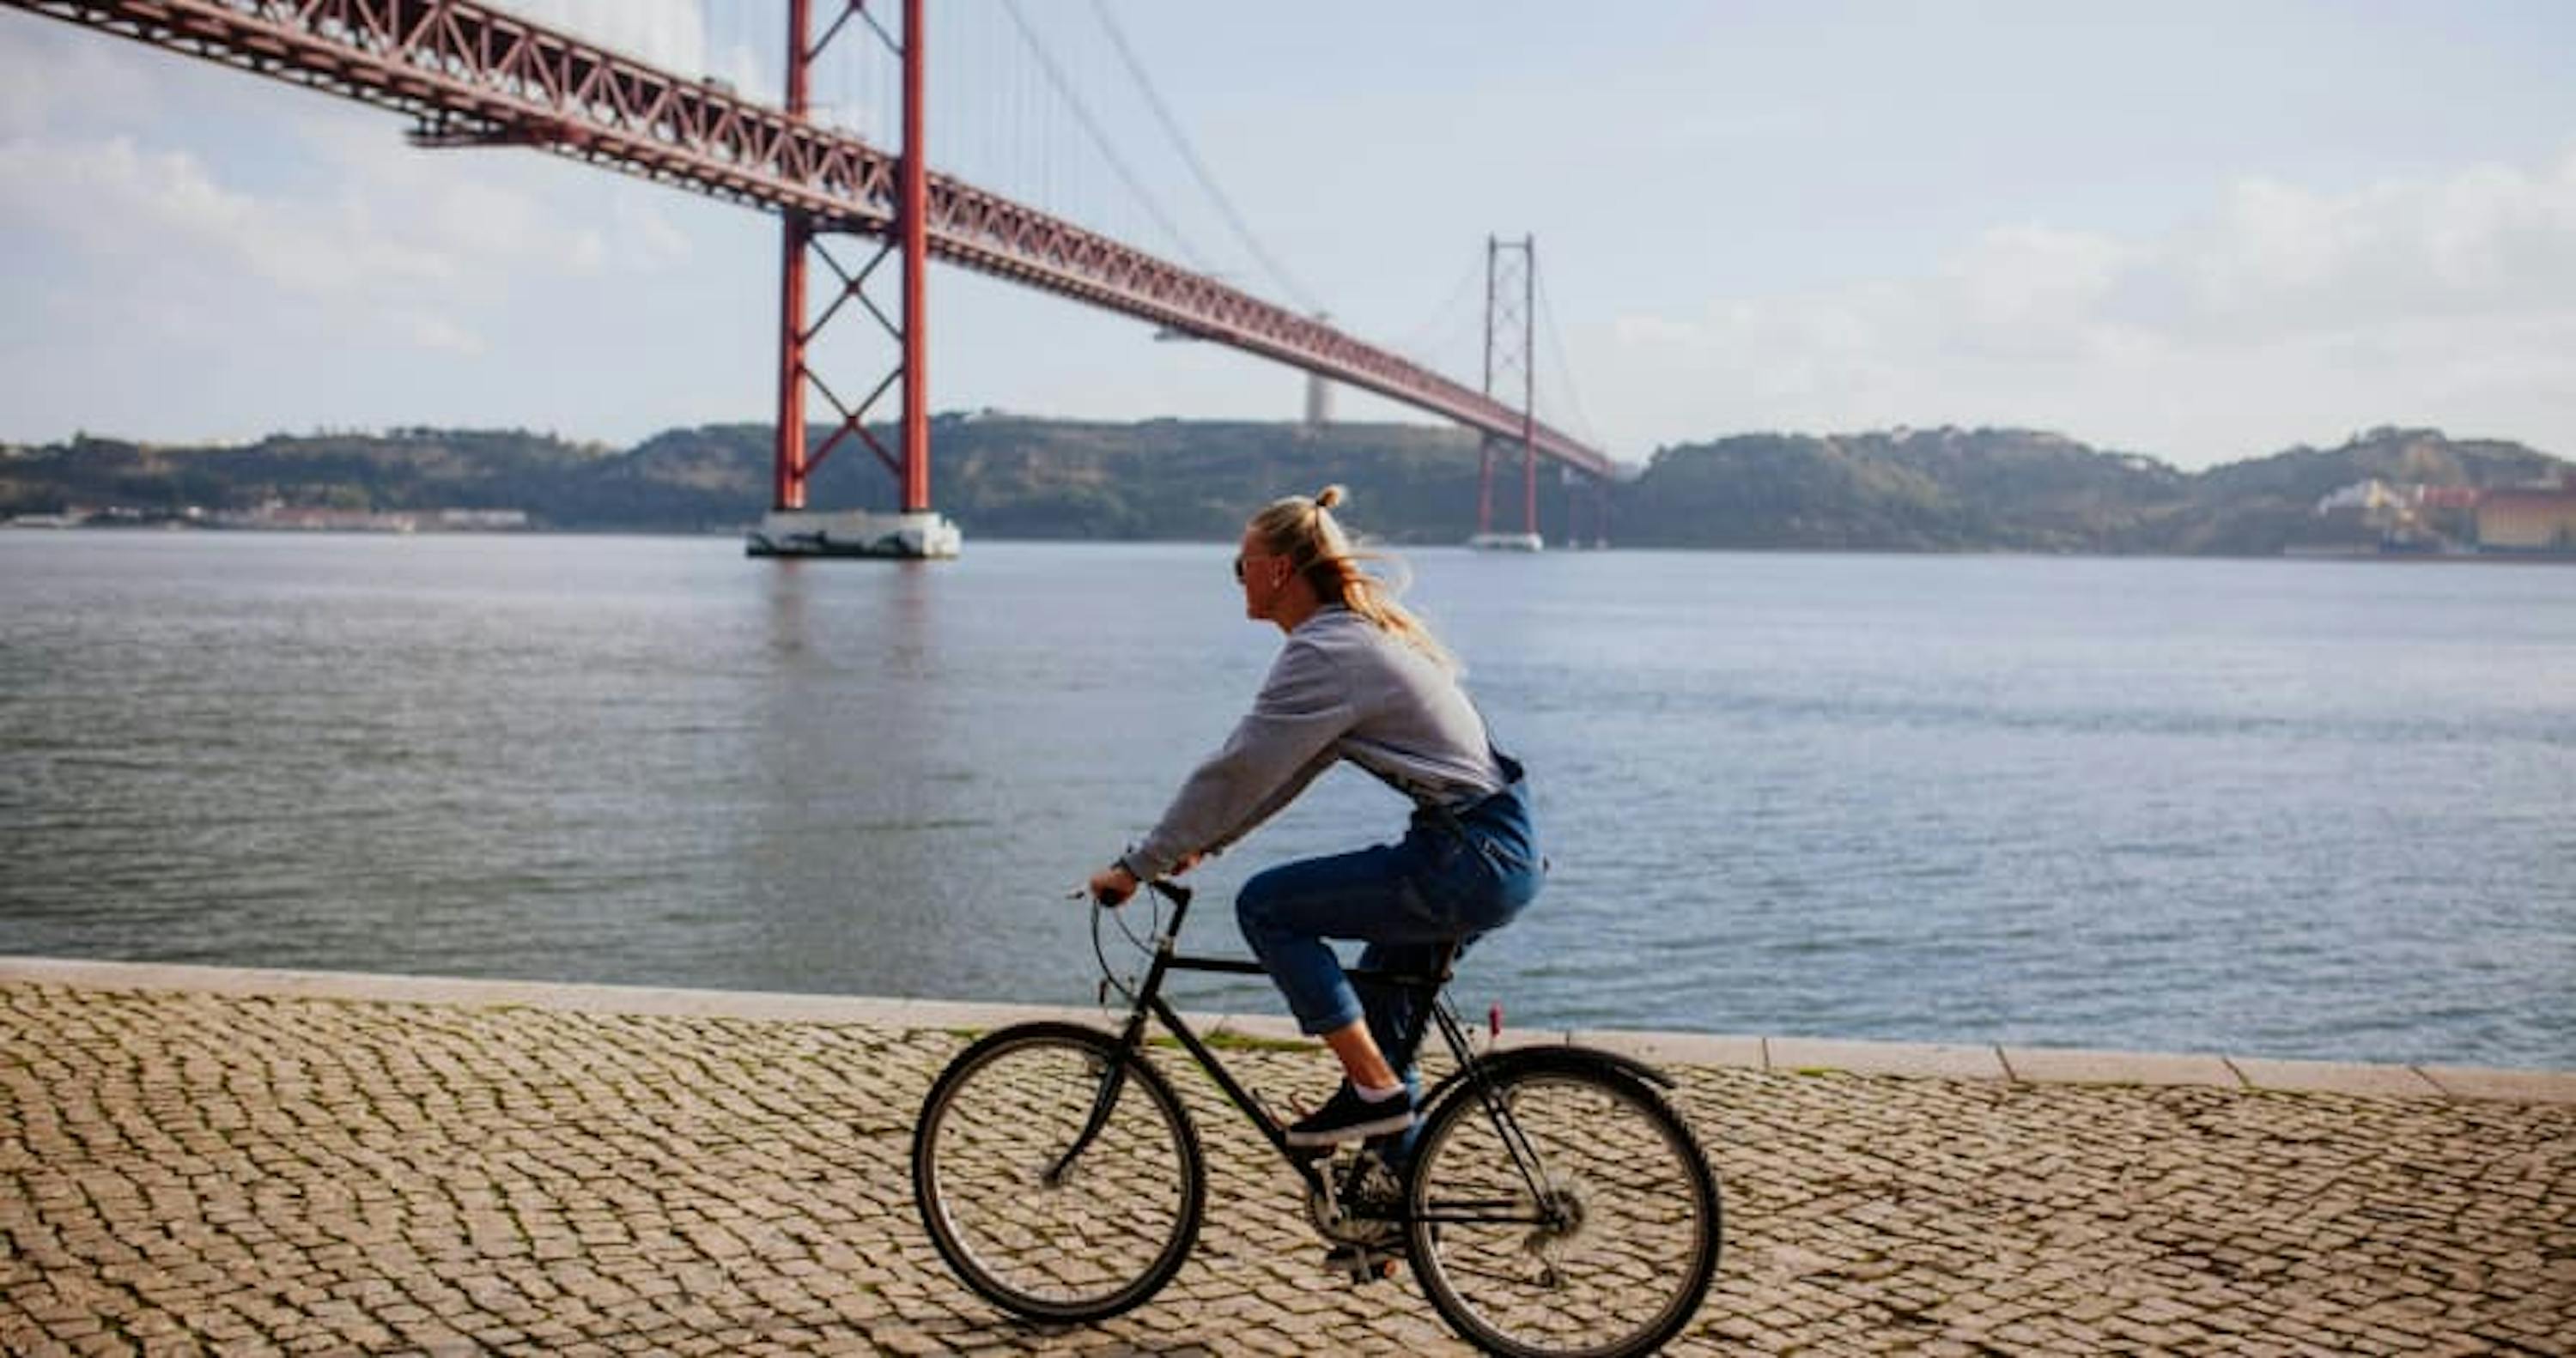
column 1348, row 1014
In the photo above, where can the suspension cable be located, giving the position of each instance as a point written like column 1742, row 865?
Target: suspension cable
column 1564, row 371
column 1100, row 139
column 1422, row 342
column 1198, row 168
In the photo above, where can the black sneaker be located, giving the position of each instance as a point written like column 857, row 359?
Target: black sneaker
column 1347, row 1117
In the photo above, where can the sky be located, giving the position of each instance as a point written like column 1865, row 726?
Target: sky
column 2202, row 232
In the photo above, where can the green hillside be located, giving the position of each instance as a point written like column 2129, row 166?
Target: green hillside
column 1938, row 490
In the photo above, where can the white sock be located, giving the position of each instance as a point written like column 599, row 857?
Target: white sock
column 1368, row 1095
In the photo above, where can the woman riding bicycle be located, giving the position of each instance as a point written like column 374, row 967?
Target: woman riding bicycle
column 1358, row 679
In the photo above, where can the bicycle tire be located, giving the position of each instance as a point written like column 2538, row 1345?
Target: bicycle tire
column 1100, row 1241
column 1639, row 1224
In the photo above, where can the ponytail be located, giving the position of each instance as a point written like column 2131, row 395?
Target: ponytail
column 1304, row 531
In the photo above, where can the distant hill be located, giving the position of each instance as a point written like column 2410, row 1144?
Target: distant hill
column 1934, row 490
column 1906, row 490
column 2257, row 507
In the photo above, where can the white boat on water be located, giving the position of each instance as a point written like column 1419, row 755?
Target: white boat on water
column 1507, row 542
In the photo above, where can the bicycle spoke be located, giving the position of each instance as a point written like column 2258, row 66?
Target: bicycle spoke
column 1491, row 1275
column 1563, row 1211
column 1107, row 1230
column 1498, row 1215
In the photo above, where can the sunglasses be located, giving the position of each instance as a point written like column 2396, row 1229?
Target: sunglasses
column 1239, row 571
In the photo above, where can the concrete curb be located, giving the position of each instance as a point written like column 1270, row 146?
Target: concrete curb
column 2023, row 1065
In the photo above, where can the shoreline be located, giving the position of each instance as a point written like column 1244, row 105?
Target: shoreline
column 44, row 524
column 2015, row 1064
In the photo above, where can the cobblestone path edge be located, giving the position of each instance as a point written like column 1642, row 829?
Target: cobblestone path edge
column 2033, row 1065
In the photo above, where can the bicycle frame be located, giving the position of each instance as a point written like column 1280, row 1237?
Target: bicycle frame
column 1148, row 1002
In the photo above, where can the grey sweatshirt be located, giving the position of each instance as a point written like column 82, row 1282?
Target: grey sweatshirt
column 1340, row 689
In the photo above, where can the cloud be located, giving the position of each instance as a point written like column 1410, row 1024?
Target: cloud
column 2491, row 240
column 2017, row 280
column 381, row 231
column 2280, row 313
column 647, row 240
column 119, row 202
column 438, row 333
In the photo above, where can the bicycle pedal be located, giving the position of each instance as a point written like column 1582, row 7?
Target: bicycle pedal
column 1362, row 1277
column 1363, row 1270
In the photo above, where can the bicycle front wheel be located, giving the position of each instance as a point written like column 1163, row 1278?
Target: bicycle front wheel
column 1058, row 1175
column 1560, row 1206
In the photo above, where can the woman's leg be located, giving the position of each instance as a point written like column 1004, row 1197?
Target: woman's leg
column 1288, row 912
column 1362, row 1061
column 1459, row 892
column 1394, row 1014
column 1406, row 901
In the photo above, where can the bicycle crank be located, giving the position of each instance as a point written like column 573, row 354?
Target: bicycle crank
column 1354, row 1203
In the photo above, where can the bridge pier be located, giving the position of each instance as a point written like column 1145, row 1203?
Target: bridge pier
column 854, row 532
column 790, row 528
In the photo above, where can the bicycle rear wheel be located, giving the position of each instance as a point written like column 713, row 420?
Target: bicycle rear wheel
column 1031, row 1230
column 1564, row 1209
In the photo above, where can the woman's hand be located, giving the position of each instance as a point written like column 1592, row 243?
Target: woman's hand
column 1112, row 885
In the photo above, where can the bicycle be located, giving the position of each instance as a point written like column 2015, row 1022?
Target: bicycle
column 1552, row 1201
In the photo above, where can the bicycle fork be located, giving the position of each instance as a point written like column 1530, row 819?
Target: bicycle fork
column 1103, row 1103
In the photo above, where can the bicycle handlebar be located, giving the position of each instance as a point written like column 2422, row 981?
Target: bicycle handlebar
column 1174, row 892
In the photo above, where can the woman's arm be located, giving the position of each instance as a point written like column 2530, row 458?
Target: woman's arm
column 1275, row 751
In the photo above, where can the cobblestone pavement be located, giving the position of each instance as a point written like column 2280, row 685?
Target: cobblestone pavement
column 193, row 1172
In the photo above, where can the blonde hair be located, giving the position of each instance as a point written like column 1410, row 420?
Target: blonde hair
column 1304, row 531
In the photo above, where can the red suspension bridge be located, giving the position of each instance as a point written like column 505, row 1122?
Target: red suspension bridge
column 476, row 75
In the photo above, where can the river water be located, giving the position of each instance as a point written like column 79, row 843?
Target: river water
column 2321, row 809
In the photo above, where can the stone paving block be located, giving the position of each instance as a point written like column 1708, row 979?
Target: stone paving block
column 2068, row 1065
column 1674, row 1049
column 2335, row 1077
column 2482, row 1082
column 1919, row 1060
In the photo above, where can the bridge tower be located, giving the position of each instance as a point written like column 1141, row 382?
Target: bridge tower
column 1511, row 320
column 791, row 528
